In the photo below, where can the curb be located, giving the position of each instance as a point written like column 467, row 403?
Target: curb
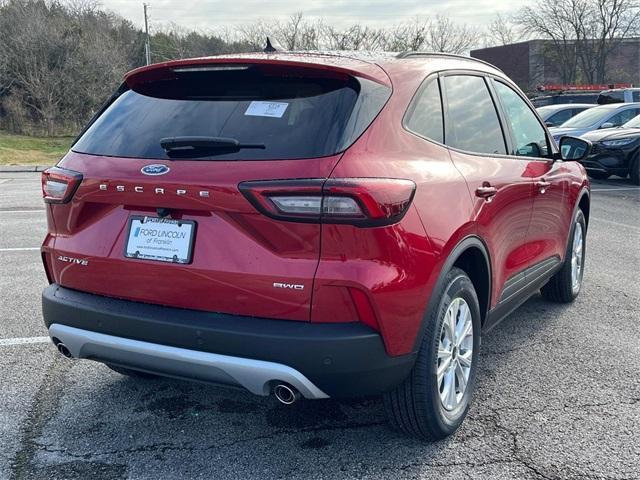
column 22, row 168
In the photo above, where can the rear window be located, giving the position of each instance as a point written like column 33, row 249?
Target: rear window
column 286, row 114
column 611, row 96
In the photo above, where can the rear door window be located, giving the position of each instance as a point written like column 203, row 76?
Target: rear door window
column 472, row 120
column 281, row 115
column 424, row 115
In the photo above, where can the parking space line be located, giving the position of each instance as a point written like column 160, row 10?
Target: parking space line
column 23, row 211
column 19, row 249
column 614, row 189
column 6, row 342
column 5, row 181
column 618, row 224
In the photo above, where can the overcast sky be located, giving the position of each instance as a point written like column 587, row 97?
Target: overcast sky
column 212, row 14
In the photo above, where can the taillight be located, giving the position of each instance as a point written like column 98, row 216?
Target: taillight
column 59, row 184
column 365, row 202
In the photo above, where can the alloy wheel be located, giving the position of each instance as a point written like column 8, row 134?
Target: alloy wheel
column 577, row 252
column 455, row 354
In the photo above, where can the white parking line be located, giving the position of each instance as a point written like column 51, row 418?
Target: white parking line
column 618, row 224
column 614, row 189
column 4, row 181
column 23, row 211
column 20, row 249
column 5, row 342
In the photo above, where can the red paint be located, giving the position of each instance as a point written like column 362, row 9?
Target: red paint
column 382, row 276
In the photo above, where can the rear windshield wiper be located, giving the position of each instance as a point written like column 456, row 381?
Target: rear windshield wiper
column 186, row 144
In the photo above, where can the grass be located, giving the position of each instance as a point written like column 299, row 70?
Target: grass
column 24, row 150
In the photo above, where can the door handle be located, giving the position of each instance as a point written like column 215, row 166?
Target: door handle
column 543, row 185
column 486, row 191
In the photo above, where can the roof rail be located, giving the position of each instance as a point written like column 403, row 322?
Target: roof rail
column 442, row 54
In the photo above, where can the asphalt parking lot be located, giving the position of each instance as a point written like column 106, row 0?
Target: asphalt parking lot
column 558, row 394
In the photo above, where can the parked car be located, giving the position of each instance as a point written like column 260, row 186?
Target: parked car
column 619, row 95
column 602, row 116
column 615, row 151
column 555, row 115
column 563, row 98
column 292, row 224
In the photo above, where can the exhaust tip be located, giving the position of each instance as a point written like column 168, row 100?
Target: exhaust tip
column 62, row 348
column 285, row 394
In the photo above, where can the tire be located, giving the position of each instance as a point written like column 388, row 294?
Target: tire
column 131, row 373
column 415, row 407
column 599, row 175
column 561, row 287
column 634, row 171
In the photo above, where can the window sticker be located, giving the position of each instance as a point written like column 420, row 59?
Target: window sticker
column 266, row 109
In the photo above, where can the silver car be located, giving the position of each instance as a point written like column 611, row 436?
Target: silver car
column 603, row 116
column 556, row 115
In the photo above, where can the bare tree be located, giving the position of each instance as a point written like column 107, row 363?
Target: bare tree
column 58, row 64
column 583, row 32
column 254, row 34
column 606, row 24
column 447, row 36
column 547, row 18
column 503, row 31
column 408, row 36
column 354, row 37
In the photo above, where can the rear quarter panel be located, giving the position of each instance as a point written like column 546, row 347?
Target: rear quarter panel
column 396, row 266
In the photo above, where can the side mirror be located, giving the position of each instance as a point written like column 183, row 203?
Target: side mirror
column 574, row 148
column 607, row 125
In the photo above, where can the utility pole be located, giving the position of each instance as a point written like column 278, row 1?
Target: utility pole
column 147, row 43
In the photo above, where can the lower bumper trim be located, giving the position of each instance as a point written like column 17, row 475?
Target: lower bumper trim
column 257, row 376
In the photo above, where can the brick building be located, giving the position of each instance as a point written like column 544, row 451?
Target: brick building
column 534, row 63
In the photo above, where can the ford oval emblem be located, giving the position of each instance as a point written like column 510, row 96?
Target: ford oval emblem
column 155, row 169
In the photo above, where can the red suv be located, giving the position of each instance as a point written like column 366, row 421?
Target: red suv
column 311, row 225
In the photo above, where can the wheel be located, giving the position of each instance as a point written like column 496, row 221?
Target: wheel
column 130, row 373
column 599, row 175
column 565, row 285
column 433, row 401
column 634, row 171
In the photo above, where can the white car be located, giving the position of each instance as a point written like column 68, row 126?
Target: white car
column 555, row 115
column 602, row 116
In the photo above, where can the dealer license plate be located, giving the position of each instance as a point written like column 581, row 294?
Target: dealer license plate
column 161, row 239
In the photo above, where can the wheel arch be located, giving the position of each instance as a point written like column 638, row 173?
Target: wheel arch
column 471, row 255
column 584, row 204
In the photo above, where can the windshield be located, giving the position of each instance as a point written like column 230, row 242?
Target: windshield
column 546, row 112
column 589, row 117
column 633, row 123
column 288, row 114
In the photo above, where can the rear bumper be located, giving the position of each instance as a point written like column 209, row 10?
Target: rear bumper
column 320, row 359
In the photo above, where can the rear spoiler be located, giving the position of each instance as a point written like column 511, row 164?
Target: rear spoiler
column 316, row 64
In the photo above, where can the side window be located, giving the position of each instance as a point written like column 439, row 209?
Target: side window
column 622, row 117
column 424, row 116
column 560, row 117
column 529, row 135
column 472, row 119
column 636, row 96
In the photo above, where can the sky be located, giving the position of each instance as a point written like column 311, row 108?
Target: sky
column 214, row 14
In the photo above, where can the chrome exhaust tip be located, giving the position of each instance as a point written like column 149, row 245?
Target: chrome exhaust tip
column 62, row 348
column 285, row 394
